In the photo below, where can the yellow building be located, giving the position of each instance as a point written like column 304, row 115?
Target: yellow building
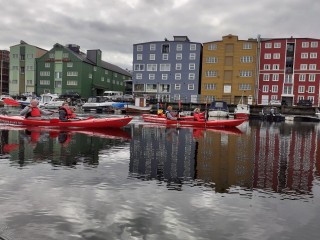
column 229, row 70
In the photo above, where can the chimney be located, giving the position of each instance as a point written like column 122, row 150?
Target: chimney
column 94, row 56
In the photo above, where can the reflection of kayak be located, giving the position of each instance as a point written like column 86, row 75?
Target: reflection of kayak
column 192, row 123
column 76, row 123
column 112, row 133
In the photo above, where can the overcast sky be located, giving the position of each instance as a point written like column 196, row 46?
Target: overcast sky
column 115, row 25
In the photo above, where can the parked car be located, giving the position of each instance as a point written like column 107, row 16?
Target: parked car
column 275, row 103
column 305, row 102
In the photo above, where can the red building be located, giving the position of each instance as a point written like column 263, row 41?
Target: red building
column 288, row 70
column 4, row 71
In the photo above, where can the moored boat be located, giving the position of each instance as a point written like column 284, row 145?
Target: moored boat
column 190, row 122
column 242, row 110
column 218, row 109
column 73, row 123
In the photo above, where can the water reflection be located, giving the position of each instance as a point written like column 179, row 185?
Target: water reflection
column 29, row 145
column 273, row 157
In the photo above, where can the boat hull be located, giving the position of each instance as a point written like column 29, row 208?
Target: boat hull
column 77, row 123
column 192, row 123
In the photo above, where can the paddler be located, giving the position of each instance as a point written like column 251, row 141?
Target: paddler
column 33, row 111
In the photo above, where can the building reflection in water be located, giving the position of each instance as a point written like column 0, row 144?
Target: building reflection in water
column 276, row 157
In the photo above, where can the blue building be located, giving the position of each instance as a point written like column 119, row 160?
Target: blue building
column 167, row 70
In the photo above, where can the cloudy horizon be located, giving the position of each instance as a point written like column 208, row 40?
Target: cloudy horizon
column 113, row 26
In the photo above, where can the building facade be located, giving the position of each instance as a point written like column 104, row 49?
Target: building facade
column 229, row 70
column 4, row 71
column 23, row 68
column 289, row 70
column 167, row 70
column 65, row 69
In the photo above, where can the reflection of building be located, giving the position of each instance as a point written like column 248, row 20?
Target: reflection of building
column 162, row 153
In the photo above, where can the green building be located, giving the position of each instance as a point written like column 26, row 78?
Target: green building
column 65, row 69
column 23, row 68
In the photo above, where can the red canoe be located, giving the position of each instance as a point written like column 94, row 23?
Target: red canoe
column 75, row 123
column 192, row 123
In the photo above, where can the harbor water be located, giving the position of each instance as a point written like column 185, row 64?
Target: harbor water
column 257, row 181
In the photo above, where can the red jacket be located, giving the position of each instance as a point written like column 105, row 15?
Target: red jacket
column 35, row 112
column 70, row 114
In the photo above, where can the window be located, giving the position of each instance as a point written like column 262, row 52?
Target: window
column 29, row 82
column 51, row 55
column 102, row 79
column 138, row 67
column 106, row 72
column 246, row 59
column 14, row 81
column 58, row 84
column 274, row 88
column 65, row 55
column 138, row 87
column 72, row 83
column 302, row 77
column 165, row 56
column 164, row 76
column 152, row 47
column 210, row 86
column 192, row 66
column 312, row 77
column 71, row 74
column 177, row 86
column 152, row 76
column 69, row 64
column 275, row 77
column 192, row 56
column 139, row 48
column 267, row 56
column 288, row 78
column 305, row 44
column 268, row 45
column 245, row 73
column 312, row 66
column 275, row 66
column 190, row 86
column 44, row 82
column 301, row 89
column 193, row 47
column 44, row 73
column 211, row 73
column 165, row 48
column 266, row 66
column 265, row 88
column 287, row 90
column 139, row 76
column 151, row 67
column 277, row 45
column 90, row 75
column 265, row 77
column 314, row 44
column 29, row 68
column 177, row 76
column 244, row 86
column 22, row 70
column 304, row 55
column 212, row 46
column 179, row 47
column 303, row 66
column 247, row 46
column 58, row 75
column 94, row 69
column 178, row 66
column 211, row 60
column 179, row 56
column 311, row 89
column 165, row 67
column 139, row 57
column 29, row 56
column 192, row 76
column 313, row 55
column 276, row 56
column 152, row 57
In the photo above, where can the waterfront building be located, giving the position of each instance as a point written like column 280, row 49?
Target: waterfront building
column 229, row 70
column 23, row 68
column 4, row 71
column 66, row 69
column 288, row 70
column 167, row 70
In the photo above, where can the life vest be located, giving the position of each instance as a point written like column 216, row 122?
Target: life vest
column 70, row 114
column 35, row 112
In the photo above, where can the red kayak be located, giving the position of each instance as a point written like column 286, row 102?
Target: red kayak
column 73, row 123
column 192, row 123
